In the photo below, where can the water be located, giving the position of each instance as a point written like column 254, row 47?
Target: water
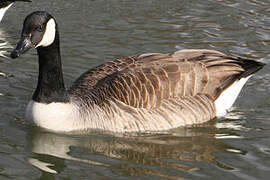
column 92, row 32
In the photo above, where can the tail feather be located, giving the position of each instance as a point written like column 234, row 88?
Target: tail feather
column 250, row 66
column 234, row 84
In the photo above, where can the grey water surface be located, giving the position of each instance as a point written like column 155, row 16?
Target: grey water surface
column 95, row 31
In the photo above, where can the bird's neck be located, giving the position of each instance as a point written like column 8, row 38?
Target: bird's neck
column 50, row 86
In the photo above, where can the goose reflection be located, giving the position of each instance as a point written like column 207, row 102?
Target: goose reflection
column 181, row 150
column 4, row 47
column 4, row 44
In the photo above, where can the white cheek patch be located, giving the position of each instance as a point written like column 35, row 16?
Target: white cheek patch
column 3, row 11
column 49, row 34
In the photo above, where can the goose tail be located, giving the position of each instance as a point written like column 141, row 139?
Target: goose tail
column 250, row 66
column 228, row 96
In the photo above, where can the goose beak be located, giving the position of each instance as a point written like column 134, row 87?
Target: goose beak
column 23, row 45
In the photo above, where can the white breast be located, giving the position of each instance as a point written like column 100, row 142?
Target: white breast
column 66, row 117
column 54, row 116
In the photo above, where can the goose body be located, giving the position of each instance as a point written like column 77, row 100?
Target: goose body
column 148, row 92
column 5, row 5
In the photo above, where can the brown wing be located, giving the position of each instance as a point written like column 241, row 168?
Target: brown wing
column 145, row 81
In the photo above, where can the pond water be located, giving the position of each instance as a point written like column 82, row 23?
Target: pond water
column 93, row 32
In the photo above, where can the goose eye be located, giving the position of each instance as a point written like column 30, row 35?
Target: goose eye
column 40, row 28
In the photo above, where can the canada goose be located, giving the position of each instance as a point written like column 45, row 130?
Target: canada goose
column 5, row 4
column 148, row 92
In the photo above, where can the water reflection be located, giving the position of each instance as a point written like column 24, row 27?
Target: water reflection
column 181, row 151
column 4, row 47
column 4, row 44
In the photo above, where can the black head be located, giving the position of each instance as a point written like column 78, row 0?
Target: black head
column 5, row 3
column 39, row 30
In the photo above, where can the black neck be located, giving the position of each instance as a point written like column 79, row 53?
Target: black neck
column 50, row 86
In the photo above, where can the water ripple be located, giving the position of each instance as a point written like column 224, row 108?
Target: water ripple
column 4, row 44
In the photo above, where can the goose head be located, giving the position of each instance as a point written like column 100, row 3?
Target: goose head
column 39, row 31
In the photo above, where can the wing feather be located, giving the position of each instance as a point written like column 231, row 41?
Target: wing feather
column 188, row 79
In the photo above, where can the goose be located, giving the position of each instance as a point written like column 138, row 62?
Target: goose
column 141, row 93
column 5, row 5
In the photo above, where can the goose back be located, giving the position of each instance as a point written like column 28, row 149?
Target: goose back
column 145, row 80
